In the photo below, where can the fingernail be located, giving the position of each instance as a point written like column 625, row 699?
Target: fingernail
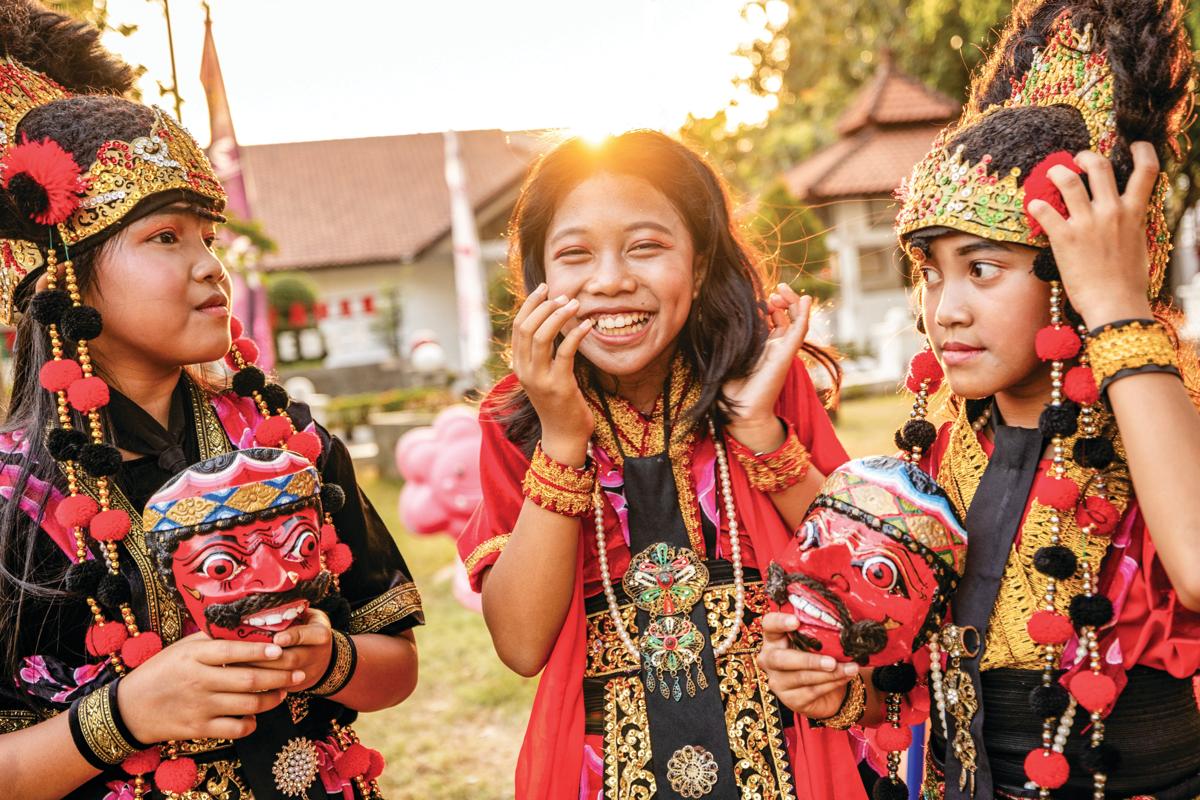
column 282, row 639
column 792, row 622
column 850, row 669
column 297, row 676
column 828, row 664
column 562, row 298
column 541, row 288
column 587, row 323
column 573, row 301
column 273, row 651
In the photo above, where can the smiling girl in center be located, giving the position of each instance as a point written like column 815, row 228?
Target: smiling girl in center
column 656, row 443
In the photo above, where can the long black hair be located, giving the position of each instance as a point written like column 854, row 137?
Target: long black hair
column 726, row 327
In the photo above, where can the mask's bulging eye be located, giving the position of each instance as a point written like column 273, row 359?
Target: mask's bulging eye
column 809, row 535
column 881, row 571
column 219, row 566
column 304, row 546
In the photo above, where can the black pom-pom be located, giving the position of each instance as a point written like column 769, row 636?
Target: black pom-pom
column 332, row 498
column 248, row 380
column 1092, row 611
column 1056, row 561
column 899, row 440
column 919, row 433
column 83, row 577
column 276, row 397
column 81, row 322
column 1045, row 268
column 1060, row 420
column 1094, row 453
column 100, row 460
column 113, row 593
column 64, row 444
column 894, row 678
column 338, row 610
column 1049, row 701
column 48, row 307
column 887, row 789
column 1104, row 758
column 30, row 196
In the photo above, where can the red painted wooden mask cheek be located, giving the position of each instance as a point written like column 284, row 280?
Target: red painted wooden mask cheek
column 860, row 574
column 253, row 580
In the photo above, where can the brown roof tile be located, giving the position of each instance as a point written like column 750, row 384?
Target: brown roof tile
column 362, row 201
column 872, row 162
column 895, row 97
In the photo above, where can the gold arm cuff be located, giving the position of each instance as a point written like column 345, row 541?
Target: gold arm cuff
column 559, row 488
column 98, row 724
column 854, row 705
column 1133, row 345
column 342, row 661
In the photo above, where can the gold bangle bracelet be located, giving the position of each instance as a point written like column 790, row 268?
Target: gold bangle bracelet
column 778, row 470
column 1126, row 348
column 557, row 487
column 854, row 705
column 342, row 661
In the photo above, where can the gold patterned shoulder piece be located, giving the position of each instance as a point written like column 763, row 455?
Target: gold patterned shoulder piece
column 126, row 173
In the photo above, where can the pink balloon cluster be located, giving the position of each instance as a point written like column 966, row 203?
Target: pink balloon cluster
column 440, row 467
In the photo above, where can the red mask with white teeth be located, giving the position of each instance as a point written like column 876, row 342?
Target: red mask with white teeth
column 239, row 540
column 869, row 573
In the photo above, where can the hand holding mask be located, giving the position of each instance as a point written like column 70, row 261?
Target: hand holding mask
column 872, row 567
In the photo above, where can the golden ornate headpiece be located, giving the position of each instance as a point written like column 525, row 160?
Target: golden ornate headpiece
column 122, row 175
column 946, row 190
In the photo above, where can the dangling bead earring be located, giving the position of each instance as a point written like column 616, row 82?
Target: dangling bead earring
column 924, row 378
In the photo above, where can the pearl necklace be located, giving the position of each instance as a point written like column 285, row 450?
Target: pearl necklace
column 735, row 547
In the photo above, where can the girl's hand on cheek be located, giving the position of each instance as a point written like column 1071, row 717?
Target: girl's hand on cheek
column 753, row 398
column 547, row 374
column 1101, row 247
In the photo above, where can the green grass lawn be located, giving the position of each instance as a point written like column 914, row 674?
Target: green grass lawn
column 457, row 737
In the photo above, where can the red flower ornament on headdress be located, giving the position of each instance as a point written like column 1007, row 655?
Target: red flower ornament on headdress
column 52, row 182
column 1038, row 186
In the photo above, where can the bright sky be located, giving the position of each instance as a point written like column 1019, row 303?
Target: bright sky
column 298, row 70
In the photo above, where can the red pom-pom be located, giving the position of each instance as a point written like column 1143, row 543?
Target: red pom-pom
column 892, row 738
column 87, row 394
column 1047, row 768
column 53, row 169
column 273, row 431
column 1098, row 512
column 143, row 762
column 1049, row 627
column 76, row 511
column 1038, row 186
column 924, row 367
column 1080, row 386
column 236, row 328
column 377, row 764
column 307, row 444
column 1058, row 493
column 138, row 649
column 110, row 526
column 1057, row 344
column 176, row 775
column 57, row 376
column 105, row 638
column 248, row 348
column 355, row 761
column 329, row 537
column 339, row 558
column 1093, row 690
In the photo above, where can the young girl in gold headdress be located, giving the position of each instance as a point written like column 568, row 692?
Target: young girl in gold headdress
column 1036, row 227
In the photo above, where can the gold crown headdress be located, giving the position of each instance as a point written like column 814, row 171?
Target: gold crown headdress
column 122, row 175
column 946, row 190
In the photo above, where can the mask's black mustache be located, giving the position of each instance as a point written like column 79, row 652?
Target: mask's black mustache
column 230, row 615
column 859, row 639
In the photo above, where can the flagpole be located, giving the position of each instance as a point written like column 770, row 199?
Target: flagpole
column 174, row 76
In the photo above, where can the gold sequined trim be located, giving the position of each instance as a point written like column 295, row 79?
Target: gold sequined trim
column 485, row 549
column 12, row 721
column 760, row 756
column 628, row 772
column 776, row 471
column 1130, row 346
column 220, row 780
column 341, row 667
column 1022, row 588
column 97, row 722
column 395, row 604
